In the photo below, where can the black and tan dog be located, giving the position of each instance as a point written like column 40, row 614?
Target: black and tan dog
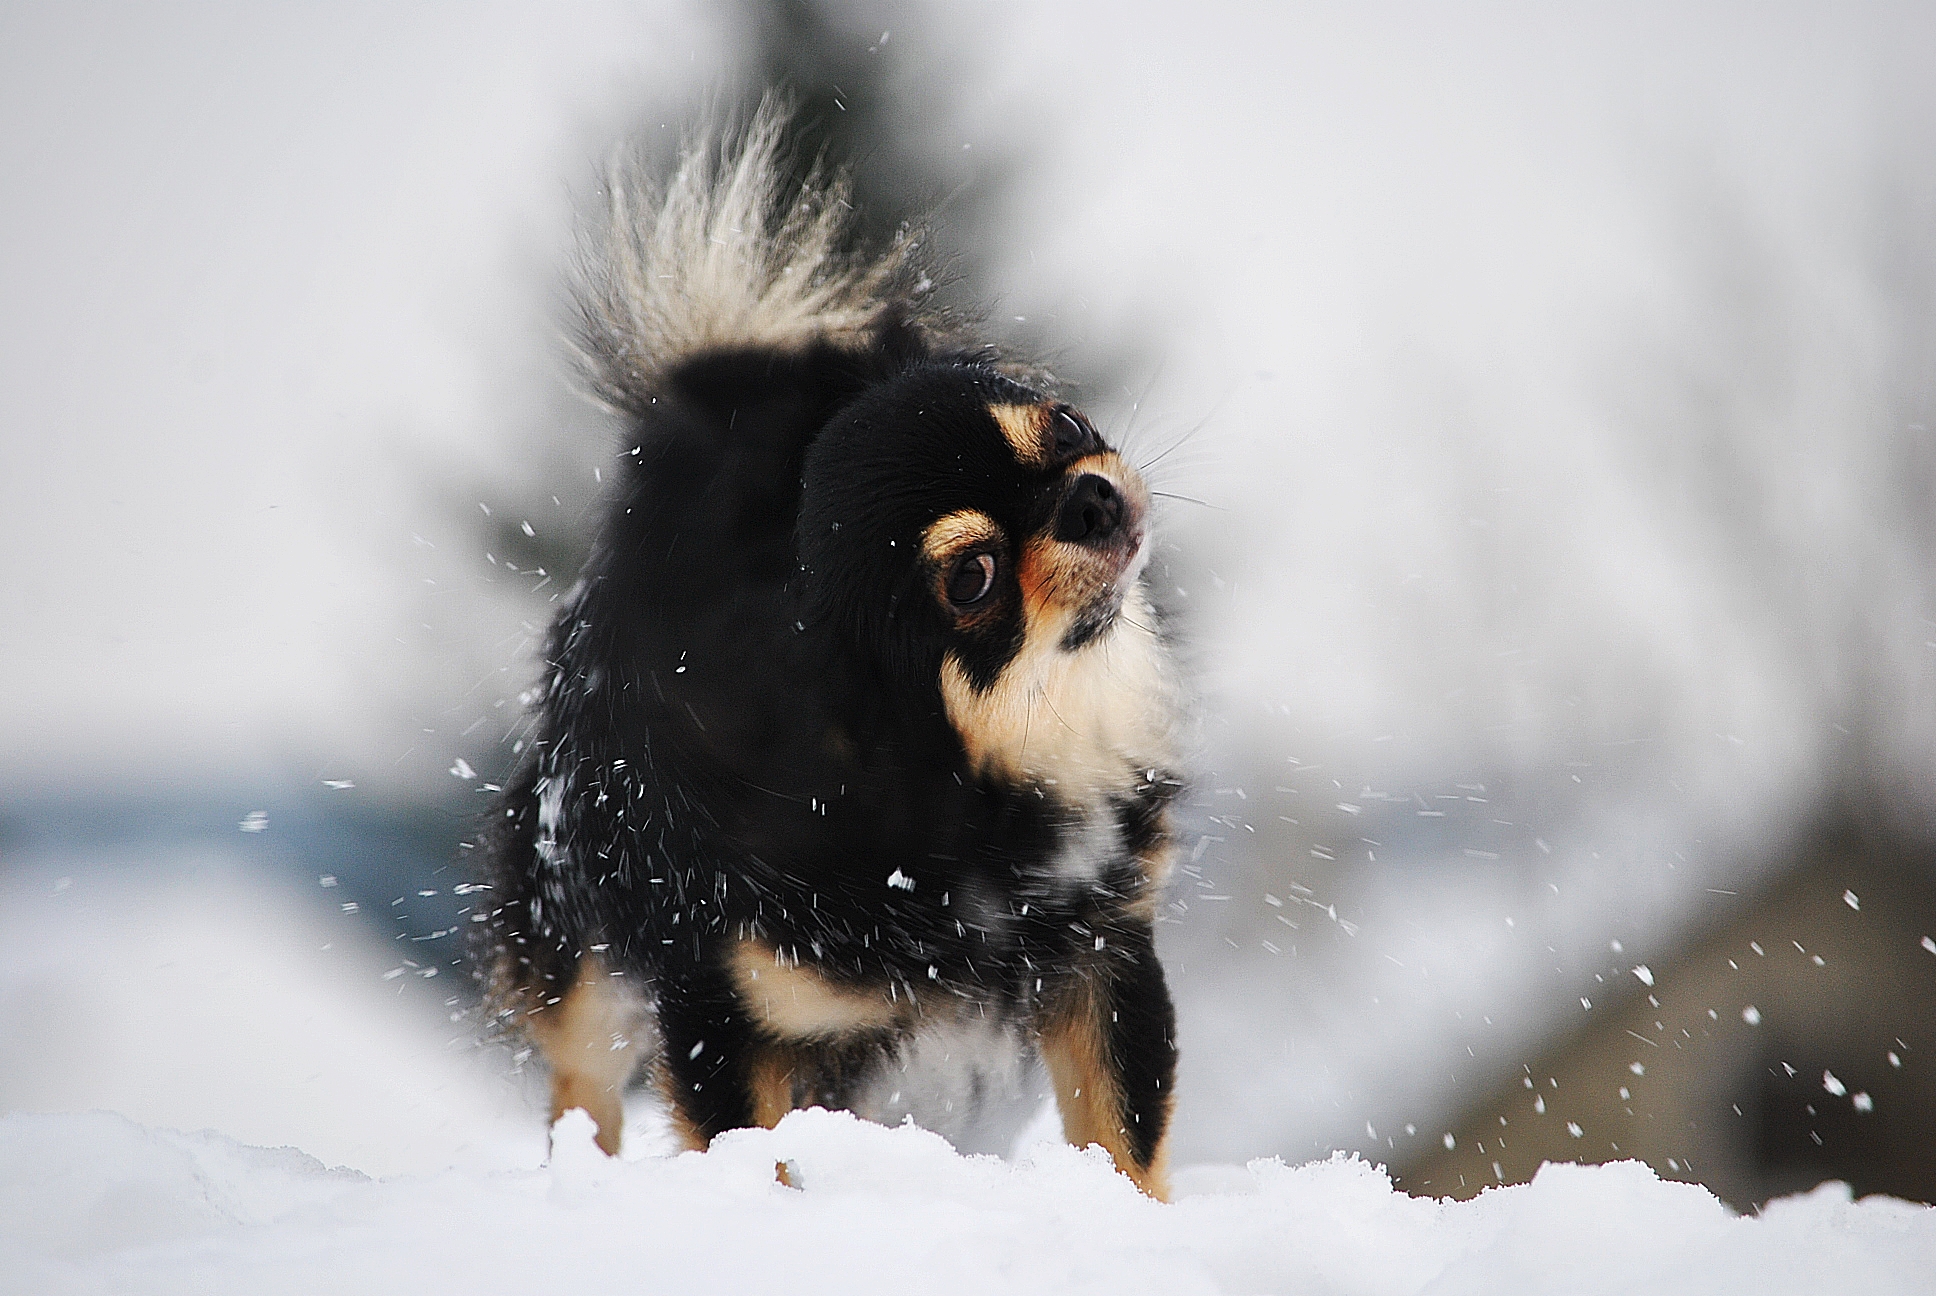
column 847, row 783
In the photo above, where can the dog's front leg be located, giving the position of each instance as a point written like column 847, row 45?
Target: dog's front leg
column 1109, row 1039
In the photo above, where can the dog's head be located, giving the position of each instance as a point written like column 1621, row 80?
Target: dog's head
column 974, row 537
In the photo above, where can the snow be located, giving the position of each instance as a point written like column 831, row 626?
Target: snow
column 97, row 1202
column 357, row 1140
column 186, row 992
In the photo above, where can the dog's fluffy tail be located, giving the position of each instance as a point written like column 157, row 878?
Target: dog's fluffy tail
column 730, row 252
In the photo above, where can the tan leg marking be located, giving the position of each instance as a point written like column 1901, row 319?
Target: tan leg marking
column 577, row 1036
column 770, row 1082
column 1076, row 1053
column 794, row 1002
column 683, row 1129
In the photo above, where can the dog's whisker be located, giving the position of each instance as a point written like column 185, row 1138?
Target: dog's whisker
column 1189, row 499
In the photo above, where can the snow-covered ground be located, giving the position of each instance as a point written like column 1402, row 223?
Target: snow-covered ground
column 186, row 992
column 344, row 1135
column 96, row 1203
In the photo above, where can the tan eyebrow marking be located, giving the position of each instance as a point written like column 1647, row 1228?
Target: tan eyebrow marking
column 955, row 531
column 1026, row 429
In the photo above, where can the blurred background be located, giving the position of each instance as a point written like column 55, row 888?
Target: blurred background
column 1552, row 393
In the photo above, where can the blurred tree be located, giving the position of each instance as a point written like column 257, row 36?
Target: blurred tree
column 869, row 104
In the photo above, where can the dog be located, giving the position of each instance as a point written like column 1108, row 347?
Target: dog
column 848, row 782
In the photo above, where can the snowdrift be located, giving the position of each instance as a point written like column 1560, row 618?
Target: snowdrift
column 185, row 992
column 95, row 1203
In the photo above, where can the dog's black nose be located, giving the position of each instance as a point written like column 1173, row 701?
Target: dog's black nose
column 1092, row 513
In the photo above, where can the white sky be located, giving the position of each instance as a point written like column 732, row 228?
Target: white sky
column 260, row 266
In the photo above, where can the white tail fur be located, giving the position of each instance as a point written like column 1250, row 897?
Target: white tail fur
column 722, row 256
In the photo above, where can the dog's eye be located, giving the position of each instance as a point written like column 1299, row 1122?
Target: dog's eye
column 970, row 579
column 1072, row 434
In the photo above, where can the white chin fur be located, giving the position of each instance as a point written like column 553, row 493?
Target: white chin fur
column 1082, row 722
